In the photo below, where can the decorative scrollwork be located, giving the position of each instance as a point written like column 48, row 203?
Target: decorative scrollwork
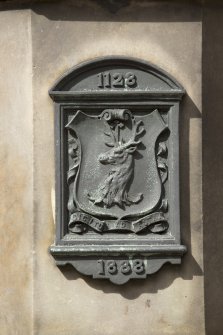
column 74, row 153
column 162, row 152
column 162, row 162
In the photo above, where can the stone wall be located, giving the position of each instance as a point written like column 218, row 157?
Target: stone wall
column 38, row 44
column 16, row 173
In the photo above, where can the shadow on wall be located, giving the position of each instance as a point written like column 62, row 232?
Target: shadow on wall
column 212, row 63
column 129, row 11
column 189, row 267
column 113, row 10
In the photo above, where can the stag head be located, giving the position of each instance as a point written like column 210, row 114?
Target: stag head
column 120, row 151
column 113, row 189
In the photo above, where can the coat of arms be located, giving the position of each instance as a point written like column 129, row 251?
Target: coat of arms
column 117, row 168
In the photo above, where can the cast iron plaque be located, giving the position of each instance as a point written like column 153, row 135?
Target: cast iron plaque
column 117, row 169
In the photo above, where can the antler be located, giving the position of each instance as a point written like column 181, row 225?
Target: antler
column 136, row 131
column 110, row 134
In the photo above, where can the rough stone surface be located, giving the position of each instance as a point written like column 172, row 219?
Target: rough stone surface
column 16, row 178
column 65, row 303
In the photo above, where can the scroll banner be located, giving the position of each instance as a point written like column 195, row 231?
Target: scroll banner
column 155, row 222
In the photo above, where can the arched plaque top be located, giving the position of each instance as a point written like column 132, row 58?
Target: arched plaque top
column 116, row 76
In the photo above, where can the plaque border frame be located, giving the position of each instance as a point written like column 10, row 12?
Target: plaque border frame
column 69, row 251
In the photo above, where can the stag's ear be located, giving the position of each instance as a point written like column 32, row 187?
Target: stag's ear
column 131, row 149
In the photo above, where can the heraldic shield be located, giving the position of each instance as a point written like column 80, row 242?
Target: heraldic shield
column 116, row 171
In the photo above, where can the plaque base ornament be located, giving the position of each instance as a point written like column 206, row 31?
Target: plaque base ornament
column 117, row 169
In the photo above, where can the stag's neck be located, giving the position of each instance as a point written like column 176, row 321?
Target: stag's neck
column 124, row 168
